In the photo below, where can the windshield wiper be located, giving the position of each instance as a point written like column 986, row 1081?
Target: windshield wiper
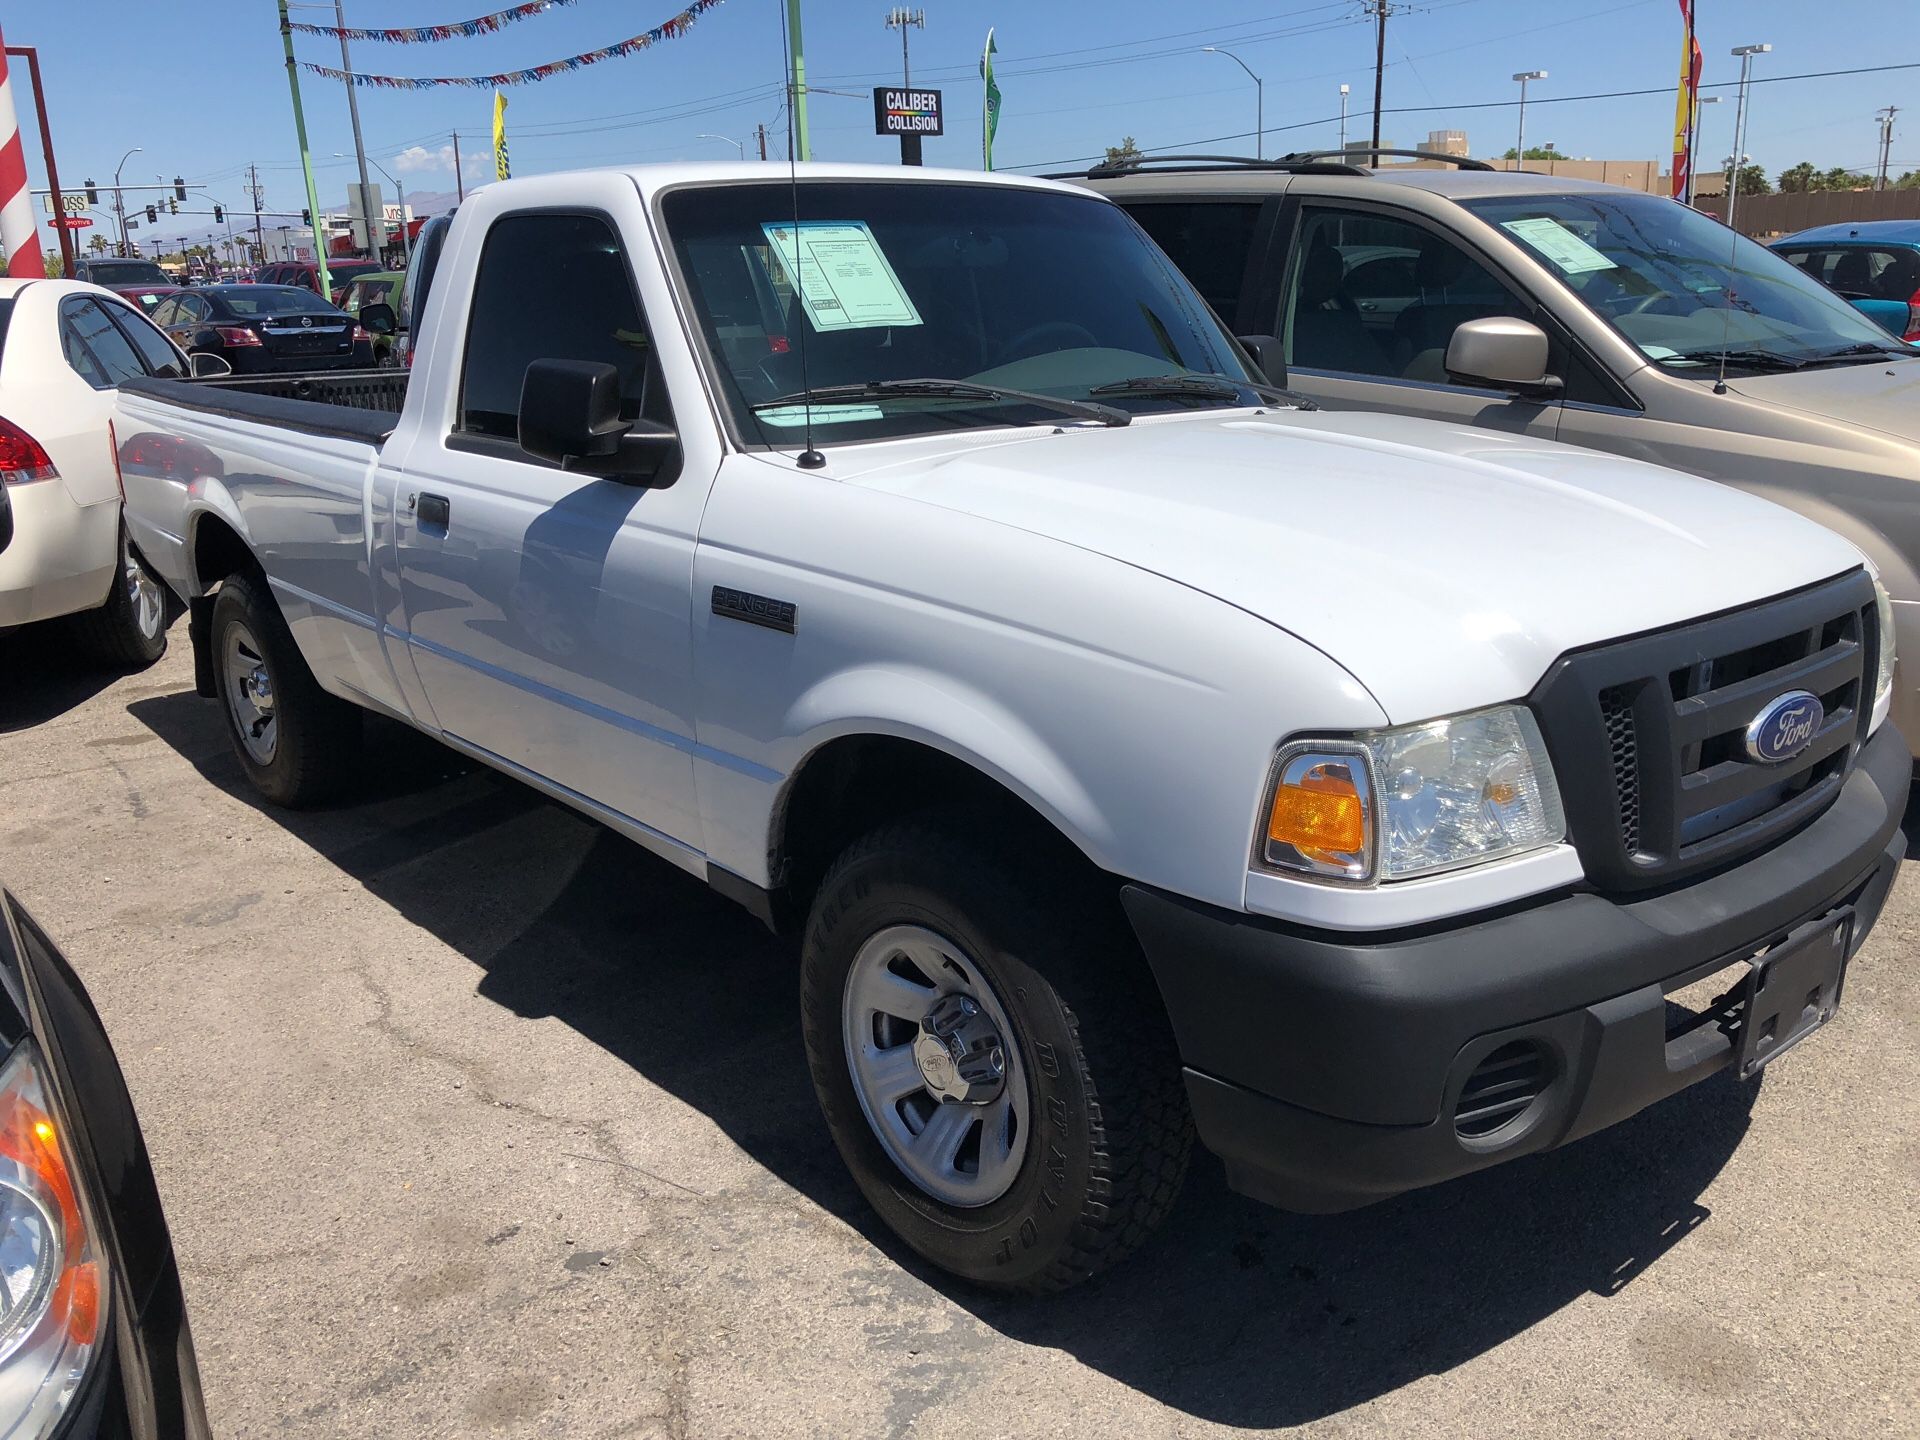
column 1221, row 387
column 948, row 389
column 1861, row 351
column 1752, row 359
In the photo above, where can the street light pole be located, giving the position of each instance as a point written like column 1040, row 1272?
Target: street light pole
column 1343, row 118
column 725, row 140
column 119, row 198
column 406, row 245
column 1745, row 54
column 1693, row 145
column 1520, row 141
column 1259, row 99
column 353, row 113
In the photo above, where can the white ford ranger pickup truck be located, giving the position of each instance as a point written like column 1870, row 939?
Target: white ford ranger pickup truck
column 1138, row 751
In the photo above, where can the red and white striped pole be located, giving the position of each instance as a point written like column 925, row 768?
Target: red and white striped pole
column 17, row 229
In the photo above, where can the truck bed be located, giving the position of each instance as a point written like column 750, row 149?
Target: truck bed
column 349, row 404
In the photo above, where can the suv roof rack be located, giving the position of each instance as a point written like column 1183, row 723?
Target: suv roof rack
column 1463, row 162
column 1134, row 164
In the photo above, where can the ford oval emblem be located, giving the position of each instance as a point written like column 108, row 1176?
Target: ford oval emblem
column 1785, row 727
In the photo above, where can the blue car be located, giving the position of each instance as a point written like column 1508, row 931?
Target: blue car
column 1873, row 263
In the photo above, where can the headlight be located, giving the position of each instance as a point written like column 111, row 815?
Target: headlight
column 1883, row 610
column 1388, row 804
column 52, row 1277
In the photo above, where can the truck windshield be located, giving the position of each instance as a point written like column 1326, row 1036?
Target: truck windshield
column 1681, row 286
column 1005, row 289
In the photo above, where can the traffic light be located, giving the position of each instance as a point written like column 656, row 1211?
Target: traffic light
column 153, row 214
column 179, row 189
column 219, row 214
column 306, row 217
column 173, row 207
column 93, row 192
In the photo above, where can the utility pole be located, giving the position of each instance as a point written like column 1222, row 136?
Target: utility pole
column 761, row 131
column 1885, row 117
column 797, row 96
column 255, row 191
column 1379, row 9
column 359, row 146
column 459, row 181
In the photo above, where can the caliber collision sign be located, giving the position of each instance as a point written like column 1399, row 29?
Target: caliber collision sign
column 899, row 111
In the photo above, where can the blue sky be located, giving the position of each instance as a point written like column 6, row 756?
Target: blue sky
column 203, row 88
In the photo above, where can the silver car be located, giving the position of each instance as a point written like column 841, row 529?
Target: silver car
column 1563, row 309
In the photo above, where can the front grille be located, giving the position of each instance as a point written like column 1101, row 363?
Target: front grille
column 1648, row 735
column 1501, row 1088
column 1623, row 754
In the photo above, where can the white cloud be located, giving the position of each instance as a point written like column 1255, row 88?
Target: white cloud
column 418, row 157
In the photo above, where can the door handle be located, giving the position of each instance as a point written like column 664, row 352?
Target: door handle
column 433, row 510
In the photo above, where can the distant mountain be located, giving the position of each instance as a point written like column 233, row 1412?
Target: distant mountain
column 432, row 202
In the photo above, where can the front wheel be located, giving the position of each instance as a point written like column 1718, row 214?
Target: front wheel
column 992, row 1059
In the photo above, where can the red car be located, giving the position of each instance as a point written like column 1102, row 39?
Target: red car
column 306, row 275
column 140, row 281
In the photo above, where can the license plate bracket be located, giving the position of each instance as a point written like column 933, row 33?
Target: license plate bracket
column 1792, row 990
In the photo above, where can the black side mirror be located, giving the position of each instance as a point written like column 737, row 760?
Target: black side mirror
column 1267, row 356
column 6, row 518
column 570, row 417
column 378, row 318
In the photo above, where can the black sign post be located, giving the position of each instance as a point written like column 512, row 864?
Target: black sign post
column 908, row 113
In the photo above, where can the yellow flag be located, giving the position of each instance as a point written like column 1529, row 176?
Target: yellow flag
column 500, row 167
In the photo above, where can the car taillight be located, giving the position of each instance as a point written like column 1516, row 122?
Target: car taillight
column 1913, row 318
column 22, row 458
column 53, row 1306
column 235, row 335
column 360, row 334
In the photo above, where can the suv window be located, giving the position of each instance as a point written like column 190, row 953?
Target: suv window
column 552, row 287
column 155, row 349
column 94, row 346
column 1371, row 295
column 1209, row 241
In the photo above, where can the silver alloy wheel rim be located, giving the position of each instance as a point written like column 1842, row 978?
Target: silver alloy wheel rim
column 143, row 592
column 250, row 698
column 965, row 1153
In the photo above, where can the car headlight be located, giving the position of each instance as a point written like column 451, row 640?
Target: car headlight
column 52, row 1275
column 1883, row 611
column 1388, row 804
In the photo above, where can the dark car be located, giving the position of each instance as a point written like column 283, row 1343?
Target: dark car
column 306, row 275
column 95, row 1338
column 259, row 329
column 140, row 281
column 1873, row 263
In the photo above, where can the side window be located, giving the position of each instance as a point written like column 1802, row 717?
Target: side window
column 165, row 311
column 552, row 287
column 1209, row 241
column 155, row 349
column 1370, row 295
column 95, row 347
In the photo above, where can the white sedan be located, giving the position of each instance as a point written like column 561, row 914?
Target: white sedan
column 64, row 348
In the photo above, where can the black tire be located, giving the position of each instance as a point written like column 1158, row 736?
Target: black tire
column 128, row 632
column 316, row 737
column 1110, row 1130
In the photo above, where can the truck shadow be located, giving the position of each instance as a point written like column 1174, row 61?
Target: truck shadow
column 1236, row 1313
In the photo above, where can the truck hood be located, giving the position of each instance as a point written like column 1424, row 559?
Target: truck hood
column 1883, row 396
column 1444, row 567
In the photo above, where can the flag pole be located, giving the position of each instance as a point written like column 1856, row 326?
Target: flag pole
column 802, row 146
column 306, row 157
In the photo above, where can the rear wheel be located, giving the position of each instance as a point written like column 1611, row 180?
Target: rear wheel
column 991, row 1057
column 298, row 744
column 129, row 631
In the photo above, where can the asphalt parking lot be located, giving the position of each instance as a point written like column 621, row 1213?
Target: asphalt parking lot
column 471, row 1118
